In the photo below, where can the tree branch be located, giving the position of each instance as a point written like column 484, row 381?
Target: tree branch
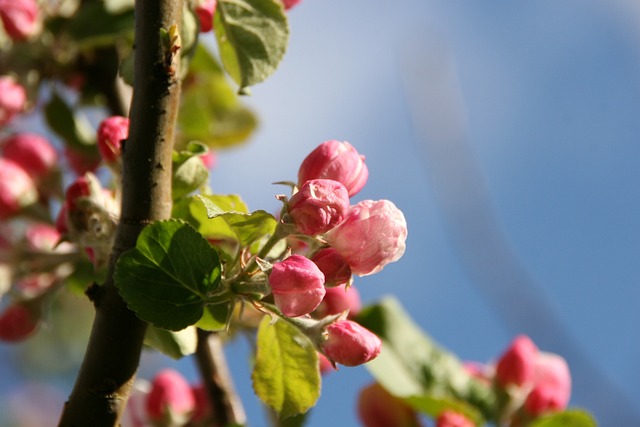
column 113, row 352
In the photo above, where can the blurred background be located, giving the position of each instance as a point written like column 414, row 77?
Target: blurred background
column 509, row 135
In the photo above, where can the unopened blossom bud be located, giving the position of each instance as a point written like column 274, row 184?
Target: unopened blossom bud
column 19, row 17
column 34, row 153
column 517, row 364
column 288, row 4
column 111, row 132
column 35, row 284
column 17, row 322
column 297, row 285
column 379, row 408
column 318, row 206
column 552, row 385
column 350, row 344
column 42, row 237
column 338, row 161
column 17, row 189
column 335, row 268
column 205, row 9
column 209, row 159
column 135, row 413
column 202, row 411
column 81, row 162
column 451, row 418
column 371, row 236
column 13, row 98
column 338, row 300
column 171, row 399
column 61, row 221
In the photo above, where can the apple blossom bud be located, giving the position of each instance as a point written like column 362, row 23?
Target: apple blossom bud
column 17, row 189
column 350, row 344
column 32, row 152
column 288, row 4
column 171, row 399
column 61, row 221
column 297, row 285
column 338, row 161
column 42, row 237
column 13, row 98
column 339, row 299
column 209, row 159
column 379, row 408
column 80, row 161
column 205, row 9
column 552, row 385
column 451, row 418
column 335, row 269
column 517, row 364
column 111, row 132
column 17, row 322
column 371, row 236
column 135, row 414
column 203, row 410
column 35, row 284
column 318, row 206
column 19, row 17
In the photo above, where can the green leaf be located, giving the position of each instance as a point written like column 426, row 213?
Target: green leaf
column 72, row 127
column 252, row 37
column 94, row 26
column 168, row 277
column 215, row 317
column 189, row 173
column 570, row 418
column 210, row 110
column 173, row 344
column 286, row 375
column 411, row 364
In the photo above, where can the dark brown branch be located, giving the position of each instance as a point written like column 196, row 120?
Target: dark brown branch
column 113, row 352
column 226, row 406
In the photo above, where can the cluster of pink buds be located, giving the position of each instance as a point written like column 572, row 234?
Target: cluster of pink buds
column 20, row 18
column 334, row 240
column 168, row 401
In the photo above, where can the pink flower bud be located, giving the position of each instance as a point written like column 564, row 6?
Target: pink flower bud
column 111, row 132
column 171, row 399
column 338, row 161
column 79, row 189
column 17, row 323
column 135, row 414
column 42, row 237
column 297, row 285
column 338, row 300
column 334, row 267
column 318, row 206
column 35, row 284
column 371, row 236
column 552, row 385
column 350, row 344
column 209, row 160
column 379, row 408
column 288, row 4
column 205, row 9
column 203, row 409
column 81, row 162
column 517, row 364
column 17, row 189
column 451, row 418
column 19, row 17
column 32, row 152
column 13, row 98
column 61, row 220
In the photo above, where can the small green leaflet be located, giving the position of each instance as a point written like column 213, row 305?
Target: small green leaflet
column 252, row 37
column 175, row 344
column 570, row 418
column 286, row 375
column 167, row 278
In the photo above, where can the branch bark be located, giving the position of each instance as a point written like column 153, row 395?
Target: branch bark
column 113, row 352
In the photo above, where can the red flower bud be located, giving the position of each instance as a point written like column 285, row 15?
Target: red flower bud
column 288, row 4
column 13, row 98
column 338, row 300
column 350, row 344
column 111, row 132
column 17, row 323
column 205, row 9
column 318, row 206
column 335, row 269
column 338, row 161
column 42, row 237
column 81, row 162
column 32, row 152
column 19, row 17
column 297, row 285
column 517, row 364
column 552, row 385
column 371, row 236
column 171, row 399
column 202, row 410
column 450, row 418
column 17, row 189
column 379, row 408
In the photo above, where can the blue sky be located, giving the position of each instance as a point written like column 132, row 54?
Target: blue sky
column 508, row 133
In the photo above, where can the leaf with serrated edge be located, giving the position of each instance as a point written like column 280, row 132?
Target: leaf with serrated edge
column 285, row 375
column 167, row 277
column 252, row 36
